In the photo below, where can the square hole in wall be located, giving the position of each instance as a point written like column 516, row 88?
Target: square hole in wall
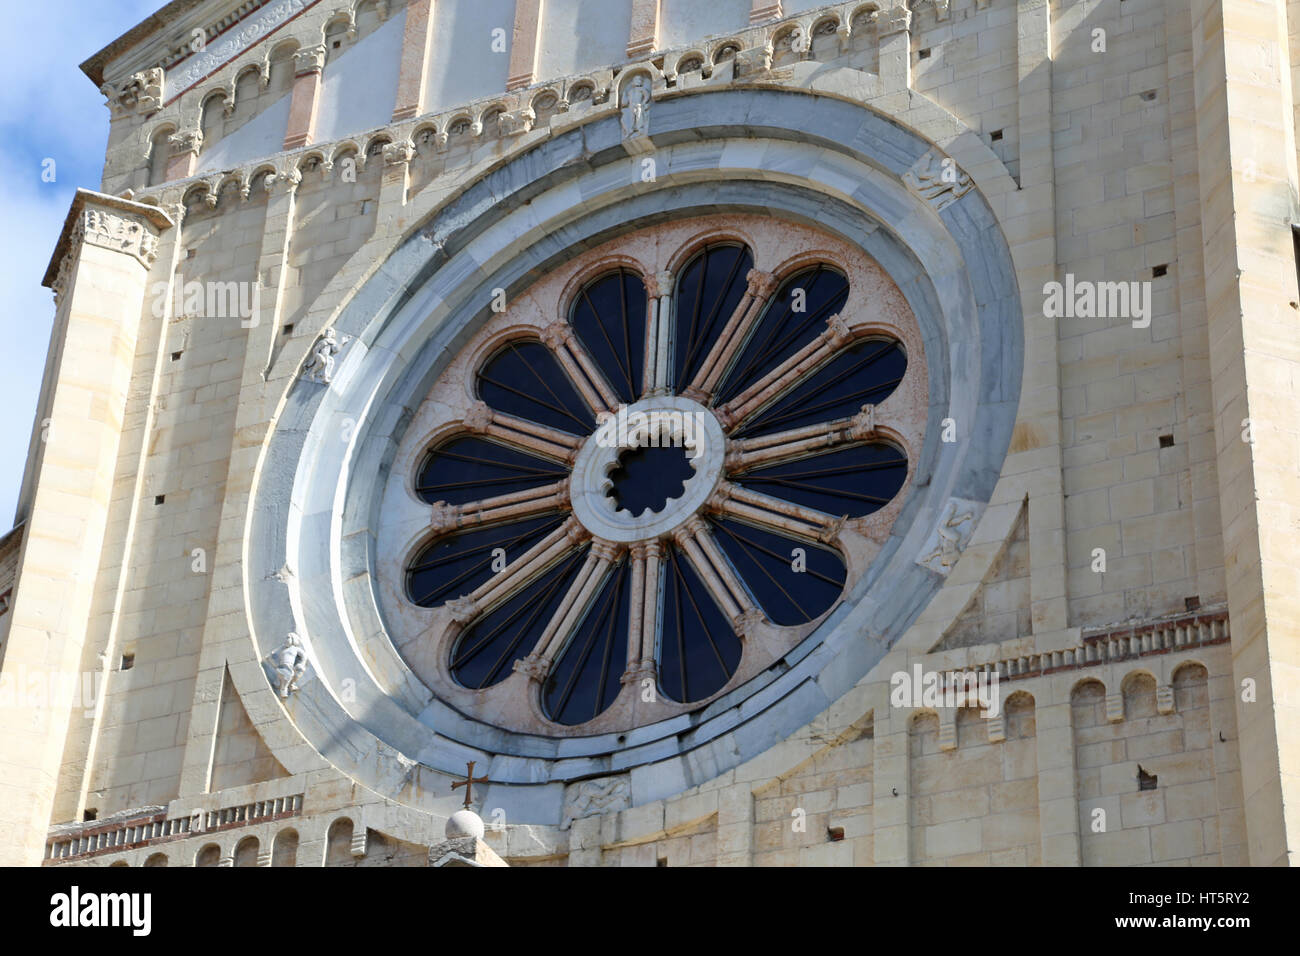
column 662, row 861
column 923, row 54
column 1147, row 95
column 1146, row 781
column 337, row 44
column 995, row 136
column 90, row 813
column 1192, row 603
column 288, row 329
column 128, row 661
column 191, row 253
column 159, row 499
column 176, row 356
column 1160, row 270
column 1166, row 441
column 834, row 834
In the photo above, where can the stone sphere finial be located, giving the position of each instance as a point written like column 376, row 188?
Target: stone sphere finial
column 464, row 823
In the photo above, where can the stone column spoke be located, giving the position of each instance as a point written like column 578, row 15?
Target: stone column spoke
column 647, row 565
column 509, row 507
column 786, row 375
column 783, row 517
column 659, row 337
column 702, row 551
column 580, row 367
column 747, row 453
column 759, row 289
column 533, row 436
column 518, row 573
column 569, row 614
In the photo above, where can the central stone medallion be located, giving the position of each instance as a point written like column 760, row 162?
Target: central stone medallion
column 648, row 468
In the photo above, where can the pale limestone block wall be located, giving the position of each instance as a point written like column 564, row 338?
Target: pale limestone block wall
column 1113, row 183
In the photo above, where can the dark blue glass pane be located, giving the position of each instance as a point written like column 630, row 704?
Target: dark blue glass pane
column 470, row 469
column 586, row 677
column 648, row 478
column 609, row 319
column 525, row 380
column 456, row 564
column 708, row 291
column 796, row 315
column 792, row 586
column 852, row 481
column 698, row 649
column 866, row 372
column 486, row 651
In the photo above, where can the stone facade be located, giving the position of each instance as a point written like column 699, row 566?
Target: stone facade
column 300, row 228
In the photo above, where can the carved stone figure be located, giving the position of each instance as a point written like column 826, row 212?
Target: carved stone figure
column 951, row 539
column 319, row 366
column 596, row 796
column 938, row 180
column 636, row 108
column 290, row 661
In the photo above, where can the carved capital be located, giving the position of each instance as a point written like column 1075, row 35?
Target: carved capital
column 309, row 59
column 399, row 153
column 478, row 417
column 556, row 335
column 661, row 283
column 897, row 19
column 753, row 61
column 575, row 532
column 837, row 331
column 864, row 424
column 119, row 231
column 141, row 93
column 533, row 667
column 463, row 609
column 184, row 142
column 606, row 551
column 760, row 284
column 747, row 622
column 516, row 122
column 444, row 517
column 832, row 530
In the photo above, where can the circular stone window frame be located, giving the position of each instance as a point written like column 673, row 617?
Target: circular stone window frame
column 875, row 309
column 826, row 161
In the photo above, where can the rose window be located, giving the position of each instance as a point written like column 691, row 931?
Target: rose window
column 655, row 474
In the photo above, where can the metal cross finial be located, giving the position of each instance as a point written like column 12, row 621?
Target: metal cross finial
column 469, row 781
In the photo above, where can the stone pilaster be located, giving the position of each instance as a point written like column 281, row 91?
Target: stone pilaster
column 523, row 44
column 99, row 275
column 1247, row 176
column 413, row 72
column 643, row 37
column 305, row 99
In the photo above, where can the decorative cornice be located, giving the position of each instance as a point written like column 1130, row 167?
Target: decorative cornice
column 233, row 42
column 110, row 222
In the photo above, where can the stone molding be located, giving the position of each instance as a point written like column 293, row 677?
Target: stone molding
column 110, row 223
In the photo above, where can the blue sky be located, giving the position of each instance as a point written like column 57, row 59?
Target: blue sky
column 48, row 110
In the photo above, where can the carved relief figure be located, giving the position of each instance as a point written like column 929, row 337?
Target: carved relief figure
column 290, row 663
column 319, row 366
column 636, row 107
